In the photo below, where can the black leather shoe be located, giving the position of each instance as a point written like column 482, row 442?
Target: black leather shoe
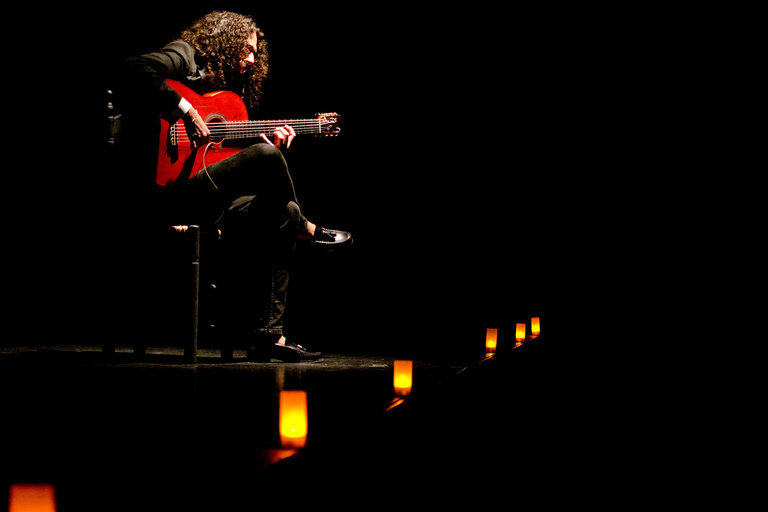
column 288, row 353
column 261, row 350
column 259, row 354
column 292, row 353
column 330, row 239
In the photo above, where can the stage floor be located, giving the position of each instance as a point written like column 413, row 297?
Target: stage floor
column 125, row 434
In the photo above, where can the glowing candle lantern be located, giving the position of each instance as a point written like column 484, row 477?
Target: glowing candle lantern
column 520, row 333
column 403, row 378
column 293, row 419
column 31, row 498
column 491, row 336
column 535, row 327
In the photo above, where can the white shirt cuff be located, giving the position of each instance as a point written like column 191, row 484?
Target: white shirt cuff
column 181, row 109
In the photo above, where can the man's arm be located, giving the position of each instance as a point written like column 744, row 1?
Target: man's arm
column 143, row 78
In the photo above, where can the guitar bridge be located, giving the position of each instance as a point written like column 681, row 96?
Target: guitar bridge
column 173, row 136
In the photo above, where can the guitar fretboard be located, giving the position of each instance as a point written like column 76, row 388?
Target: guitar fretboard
column 221, row 130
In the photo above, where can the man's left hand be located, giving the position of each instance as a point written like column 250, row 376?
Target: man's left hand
column 282, row 137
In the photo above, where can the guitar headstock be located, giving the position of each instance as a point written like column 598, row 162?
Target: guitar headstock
column 330, row 124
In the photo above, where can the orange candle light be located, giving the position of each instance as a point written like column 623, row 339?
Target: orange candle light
column 32, row 498
column 520, row 333
column 293, row 419
column 535, row 327
column 403, row 377
column 491, row 338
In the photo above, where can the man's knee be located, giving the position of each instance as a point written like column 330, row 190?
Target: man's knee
column 266, row 152
column 295, row 217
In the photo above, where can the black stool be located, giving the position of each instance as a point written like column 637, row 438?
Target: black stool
column 189, row 238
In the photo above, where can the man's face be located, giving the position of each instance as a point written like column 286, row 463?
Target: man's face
column 253, row 44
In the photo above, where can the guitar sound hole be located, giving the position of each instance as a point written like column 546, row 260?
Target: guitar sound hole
column 217, row 133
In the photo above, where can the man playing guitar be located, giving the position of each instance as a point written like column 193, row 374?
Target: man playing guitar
column 248, row 190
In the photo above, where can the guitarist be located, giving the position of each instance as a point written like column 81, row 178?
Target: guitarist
column 250, row 193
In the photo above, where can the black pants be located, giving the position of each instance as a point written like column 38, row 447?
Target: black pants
column 251, row 197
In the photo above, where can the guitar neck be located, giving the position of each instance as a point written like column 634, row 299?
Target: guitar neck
column 247, row 129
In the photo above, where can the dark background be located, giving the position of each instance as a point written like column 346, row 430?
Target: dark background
column 468, row 136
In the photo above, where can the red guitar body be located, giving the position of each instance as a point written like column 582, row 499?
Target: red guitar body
column 176, row 159
column 227, row 119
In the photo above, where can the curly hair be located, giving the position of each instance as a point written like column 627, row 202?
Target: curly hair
column 220, row 43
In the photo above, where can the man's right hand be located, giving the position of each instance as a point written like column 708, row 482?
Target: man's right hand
column 197, row 130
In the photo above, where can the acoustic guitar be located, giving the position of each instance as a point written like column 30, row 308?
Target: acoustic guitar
column 227, row 118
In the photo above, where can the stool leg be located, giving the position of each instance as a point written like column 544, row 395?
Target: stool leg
column 227, row 351
column 190, row 349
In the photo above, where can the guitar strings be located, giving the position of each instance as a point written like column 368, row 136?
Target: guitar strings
column 247, row 132
column 250, row 128
column 183, row 137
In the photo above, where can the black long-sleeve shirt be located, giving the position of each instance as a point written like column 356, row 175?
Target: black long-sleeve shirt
column 142, row 79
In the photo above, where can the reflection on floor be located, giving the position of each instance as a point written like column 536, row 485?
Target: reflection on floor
column 121, row 434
